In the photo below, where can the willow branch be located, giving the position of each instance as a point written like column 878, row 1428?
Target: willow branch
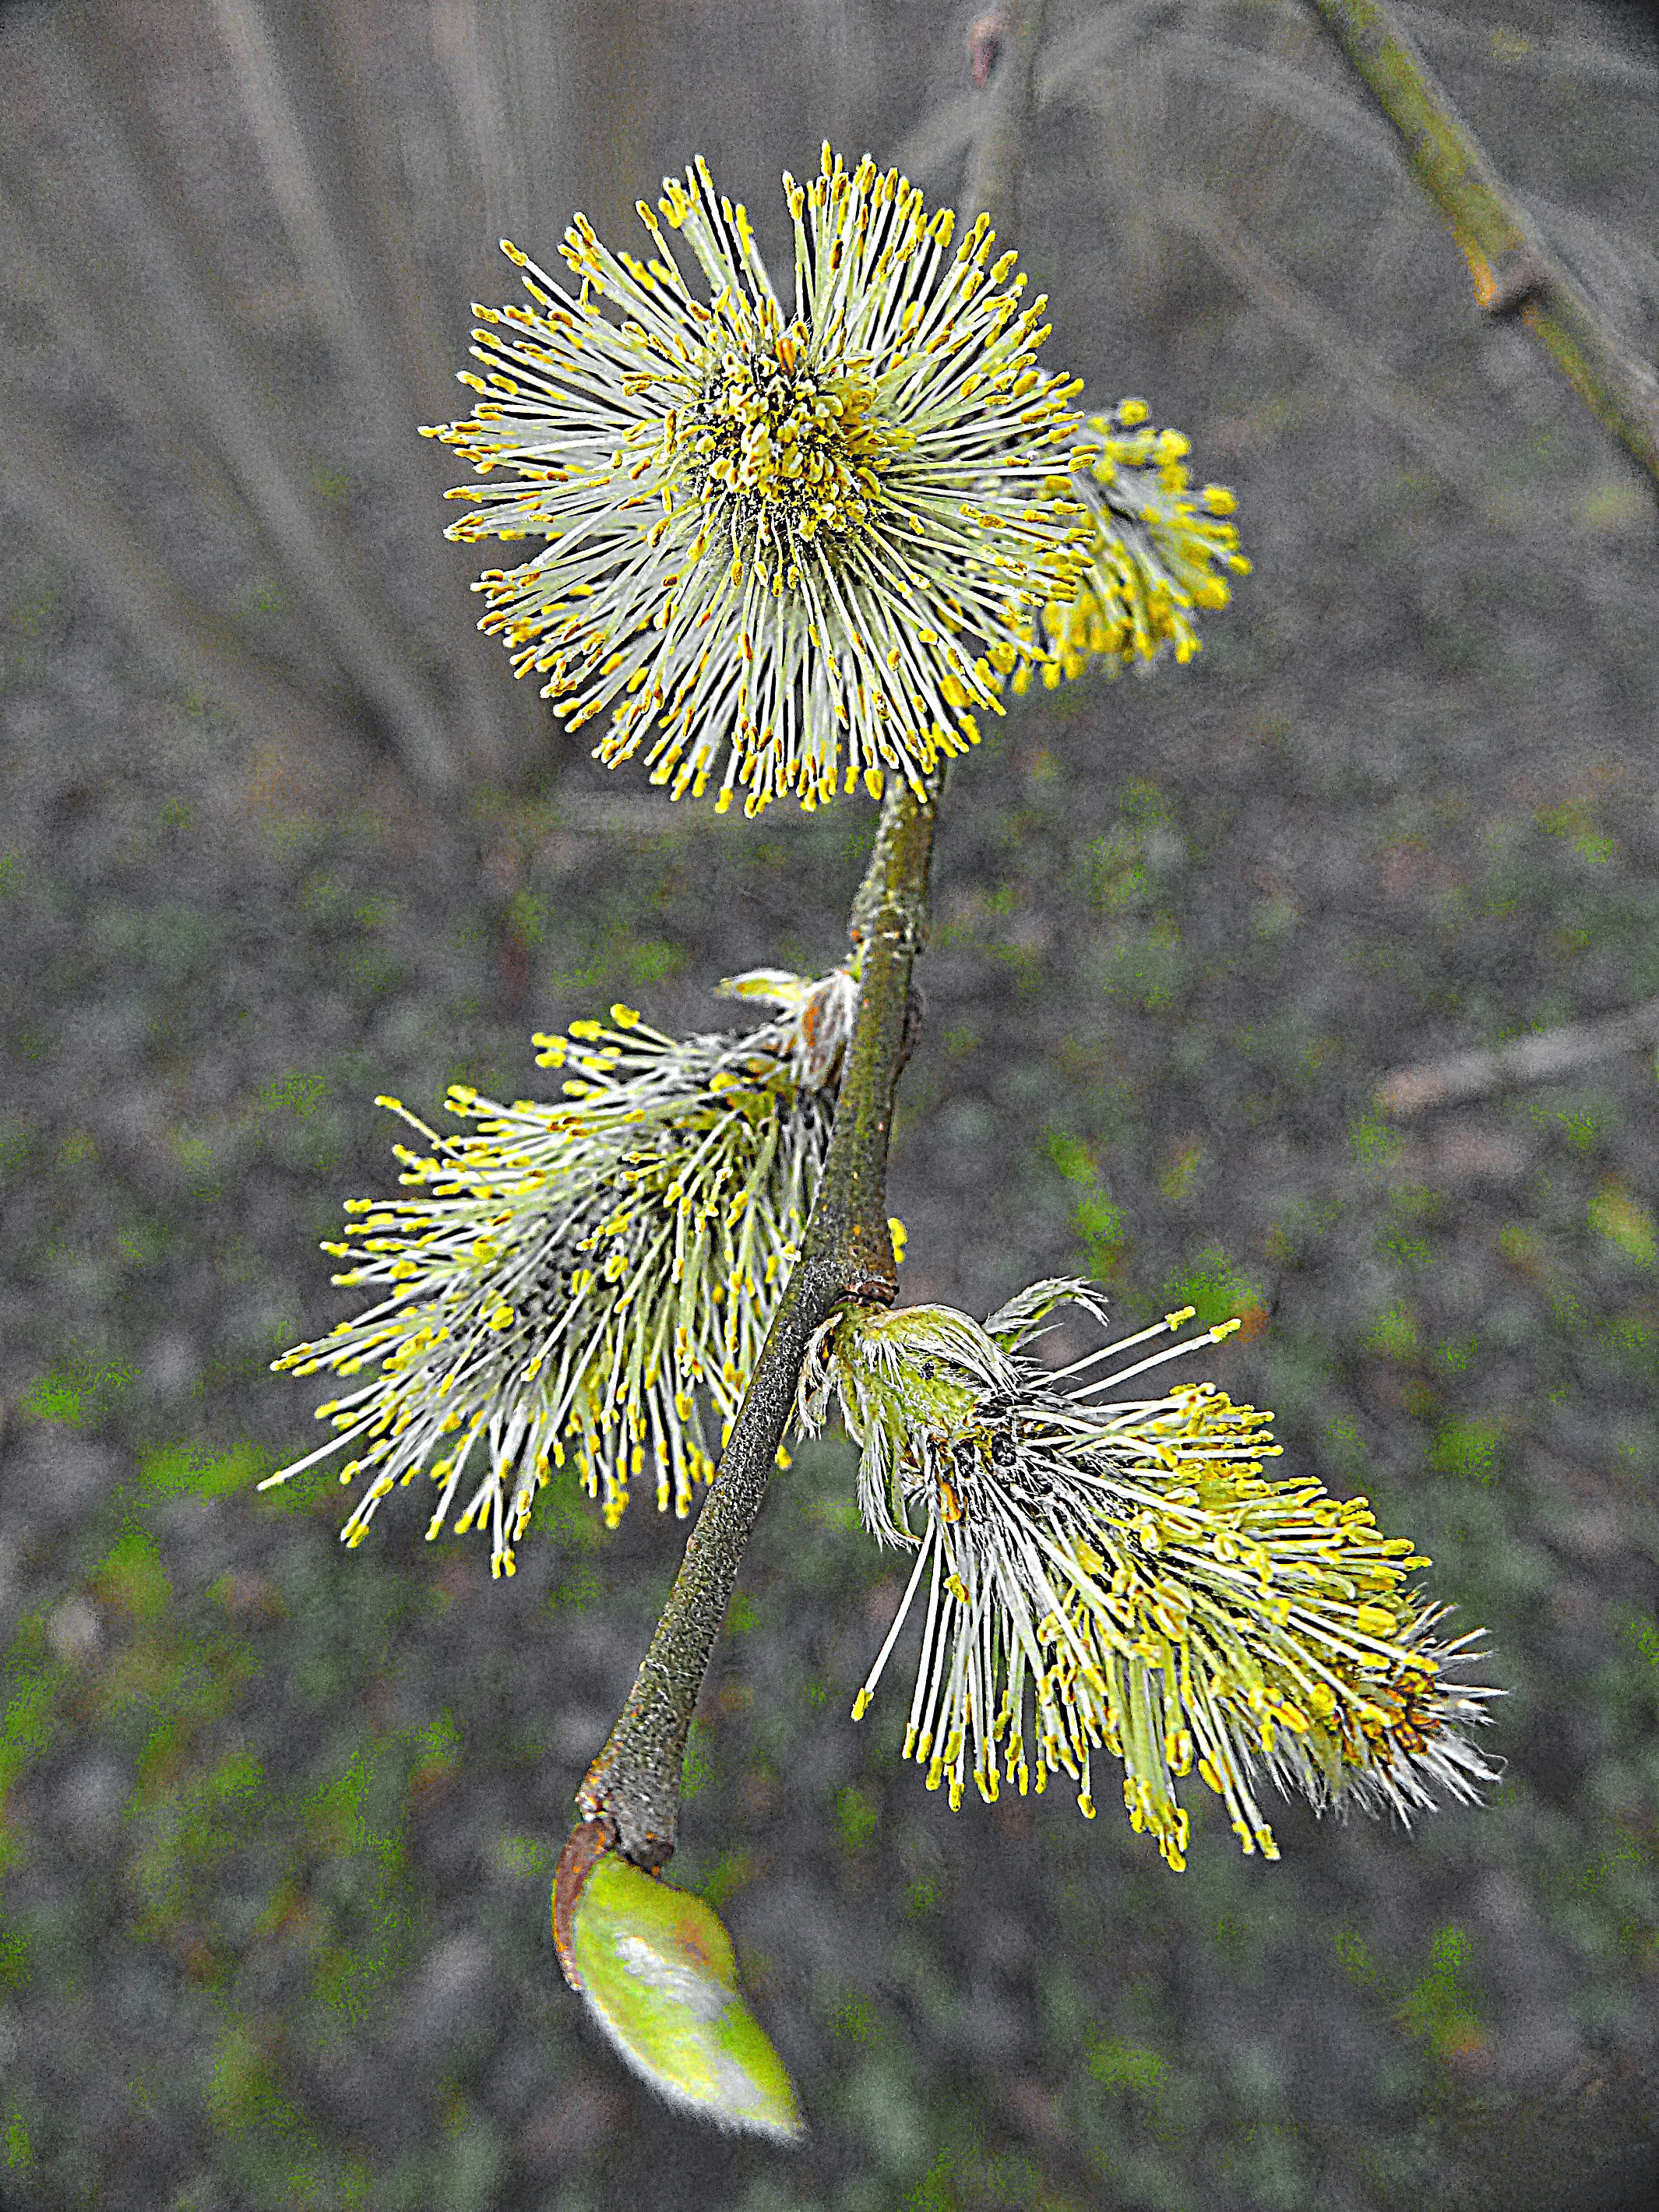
column 1540, row 1059
column 630, row 1798
column 847, row 1254
column 1512, row 270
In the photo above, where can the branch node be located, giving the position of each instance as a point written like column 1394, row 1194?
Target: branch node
column 1502, row 287
column 916, row 1020
column 872, row 1287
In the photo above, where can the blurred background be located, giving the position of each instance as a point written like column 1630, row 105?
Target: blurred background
column 278, row 832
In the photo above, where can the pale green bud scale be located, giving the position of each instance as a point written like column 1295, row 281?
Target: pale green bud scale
column 659, row 1976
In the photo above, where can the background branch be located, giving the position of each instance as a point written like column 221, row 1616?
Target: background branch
column 68, row 504
column 992, row 183
column 220, row 389
column 1539, row 1059
column 1391, row 400
column 1513, row 271
column 293, row 96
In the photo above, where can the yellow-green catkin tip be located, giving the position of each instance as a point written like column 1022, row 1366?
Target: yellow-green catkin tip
column 659, row 1974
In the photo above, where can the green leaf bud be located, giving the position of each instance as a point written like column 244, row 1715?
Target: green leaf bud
column 658, row 1973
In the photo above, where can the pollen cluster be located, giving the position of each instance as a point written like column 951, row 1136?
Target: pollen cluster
column 1155, row 551
column 782, row 540
column 785, row 454
column 573, row 1284
column 1124, row 1576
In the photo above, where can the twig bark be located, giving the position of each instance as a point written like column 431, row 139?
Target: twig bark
column 1513, row 271
column 1539, row 1059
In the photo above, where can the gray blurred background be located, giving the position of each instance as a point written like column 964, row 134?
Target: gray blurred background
column 277, row 832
